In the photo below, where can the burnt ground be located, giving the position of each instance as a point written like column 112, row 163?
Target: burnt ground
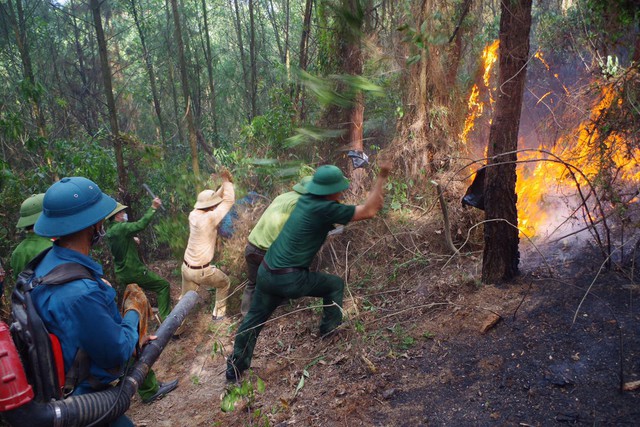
column 423, row 344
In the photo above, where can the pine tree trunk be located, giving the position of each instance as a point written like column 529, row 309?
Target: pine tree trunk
column 276, row 32
column 193, row 138
column 111, row 103
column 88, row 112
column 20, row 29
column 150, row 71
column 209, row 58
column 253, row 60
column 304, row 55
column 501, row 256
column 243, row 61
column 171, row 76
column 353, row 61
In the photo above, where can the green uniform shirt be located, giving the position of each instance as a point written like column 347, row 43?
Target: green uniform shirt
column 123, row 248
column 273, row 219
column 306, row 230
column 27, row 250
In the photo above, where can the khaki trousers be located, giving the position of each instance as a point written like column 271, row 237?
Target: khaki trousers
column 202, row 281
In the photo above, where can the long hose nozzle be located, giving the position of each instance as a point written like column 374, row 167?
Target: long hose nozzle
column 103, row 406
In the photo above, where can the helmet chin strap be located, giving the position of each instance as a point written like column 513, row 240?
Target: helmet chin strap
column 98, row 234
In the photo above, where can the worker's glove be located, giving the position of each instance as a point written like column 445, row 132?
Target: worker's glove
column 135, row 299
column 226, row 175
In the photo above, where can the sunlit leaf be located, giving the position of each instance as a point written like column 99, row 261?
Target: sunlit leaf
column 260, row 385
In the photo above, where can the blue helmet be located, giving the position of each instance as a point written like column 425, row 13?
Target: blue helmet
column 70, row 205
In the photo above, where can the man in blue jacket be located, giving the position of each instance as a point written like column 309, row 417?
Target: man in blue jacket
column 83, row 313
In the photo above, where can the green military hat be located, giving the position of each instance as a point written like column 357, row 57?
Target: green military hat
column 328, row 179
column 301, row 187
column 30, row 210
column 119, row 207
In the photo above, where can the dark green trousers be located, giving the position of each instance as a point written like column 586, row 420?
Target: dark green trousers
column 273, row 289
column 149, row 386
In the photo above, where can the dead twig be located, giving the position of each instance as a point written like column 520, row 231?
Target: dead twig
column 346, row 278
column 445, row 218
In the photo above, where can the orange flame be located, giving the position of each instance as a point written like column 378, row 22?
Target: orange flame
column 489, row 57
column 539, row 190
column 545, row 181
column 475, row 106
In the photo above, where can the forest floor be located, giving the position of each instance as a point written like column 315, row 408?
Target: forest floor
column 423, row 344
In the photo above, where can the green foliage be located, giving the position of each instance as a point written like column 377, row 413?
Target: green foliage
column 244, row 392
column 607, row 28
column 90, row 159
column 397, row 191
column 428, row 335
column 305, row 374
column 11, row 125
column 172, row 228
column 400, row 337
column 267, row 133
column 309, row 134
column 173, row 232
column 339, row 90
column 31, row 91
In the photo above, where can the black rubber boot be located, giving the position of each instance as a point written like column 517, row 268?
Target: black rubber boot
column 163, row 389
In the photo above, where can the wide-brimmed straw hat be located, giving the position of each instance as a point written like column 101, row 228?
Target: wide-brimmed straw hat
column 207, row 199
column 70, row 205
column 328, row 179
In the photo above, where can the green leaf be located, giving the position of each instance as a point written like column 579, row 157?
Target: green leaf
column 263, row 162
column 305, row 374
column 228, row 403
column 245, row 388
column 413, row 59
column 260, row 385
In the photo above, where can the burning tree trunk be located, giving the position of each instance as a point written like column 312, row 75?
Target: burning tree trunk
column 501, row 256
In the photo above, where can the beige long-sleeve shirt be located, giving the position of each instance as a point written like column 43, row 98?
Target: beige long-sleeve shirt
column 203, row 228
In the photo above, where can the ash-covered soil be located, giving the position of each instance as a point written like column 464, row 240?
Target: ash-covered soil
column 424, row 344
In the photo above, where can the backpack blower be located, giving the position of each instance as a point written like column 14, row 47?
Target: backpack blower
column 24, row 402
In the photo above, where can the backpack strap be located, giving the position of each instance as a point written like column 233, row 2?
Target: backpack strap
column 27, row 281
column 63, row 273
column 80, row 371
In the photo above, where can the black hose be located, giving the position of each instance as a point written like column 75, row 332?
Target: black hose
column 103, row 406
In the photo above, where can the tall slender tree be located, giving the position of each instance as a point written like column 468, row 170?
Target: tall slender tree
column 352, row 60
column 253, row 61
column 17, row 21
column 243, row 60
column 304, row 57
column 191, row 126
column 171, row 73
column 138, row 19
column 211, row 79
column 501, row 256
column 117, row 141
